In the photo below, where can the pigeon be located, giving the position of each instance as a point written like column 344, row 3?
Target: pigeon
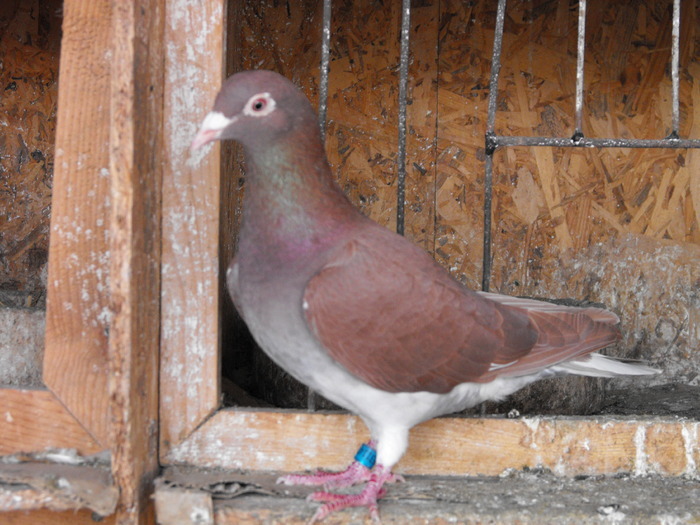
column 360, row 314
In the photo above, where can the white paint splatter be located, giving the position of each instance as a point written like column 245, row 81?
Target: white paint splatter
column 689, row 431
column 641, row 461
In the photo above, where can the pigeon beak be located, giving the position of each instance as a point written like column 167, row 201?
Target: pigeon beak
column 205, row 136
column 212, row 127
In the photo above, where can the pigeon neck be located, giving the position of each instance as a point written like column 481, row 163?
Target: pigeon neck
column 292, row 199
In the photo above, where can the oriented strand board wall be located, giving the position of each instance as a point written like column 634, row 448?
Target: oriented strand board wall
column 617, row 226
column 30, row 33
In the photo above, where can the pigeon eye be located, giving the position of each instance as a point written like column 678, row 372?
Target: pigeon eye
column 259, row 105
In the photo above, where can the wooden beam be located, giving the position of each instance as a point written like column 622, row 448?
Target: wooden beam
column 190, row 267
column 57, row 486
column 48, row 517
column 136, row 155
column 176, row 506
column 77, row 309
column 35, row 420
column 447, row 446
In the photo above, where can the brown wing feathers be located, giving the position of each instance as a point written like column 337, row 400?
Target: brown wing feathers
column 415, row 329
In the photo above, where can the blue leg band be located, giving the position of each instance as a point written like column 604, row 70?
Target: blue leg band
column 366, row 456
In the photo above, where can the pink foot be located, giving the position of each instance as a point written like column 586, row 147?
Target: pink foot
column 352, row 475
column 367, row 498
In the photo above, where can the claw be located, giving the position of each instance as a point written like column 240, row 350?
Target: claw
column 352, row 475
column 367, row 498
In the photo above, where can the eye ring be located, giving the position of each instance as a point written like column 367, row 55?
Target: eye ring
column 259, row 105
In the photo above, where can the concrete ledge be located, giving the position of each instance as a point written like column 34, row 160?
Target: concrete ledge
column 519, row 497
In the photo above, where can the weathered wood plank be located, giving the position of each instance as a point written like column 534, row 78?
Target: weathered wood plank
column 136, row 156
column 183, row 507
column 193, row 40
column 48, row 517
column 78, row 314
column 32, row 420
column 39, row 484
column 287, row 441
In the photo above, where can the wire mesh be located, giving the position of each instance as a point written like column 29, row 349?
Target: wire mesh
column 579, row 140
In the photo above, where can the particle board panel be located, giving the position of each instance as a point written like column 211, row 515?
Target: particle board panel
column 464, row 56
column 29, row 42
column 362, row 141
column 554, row 208
column 421, row 122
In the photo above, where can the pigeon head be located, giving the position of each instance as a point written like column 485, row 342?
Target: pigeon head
column 255, row 108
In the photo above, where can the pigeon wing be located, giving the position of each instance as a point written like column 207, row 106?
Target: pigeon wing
column 389, row 314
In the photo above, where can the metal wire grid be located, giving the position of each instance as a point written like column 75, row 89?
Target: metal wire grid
column 492, row 140
column 578, row 140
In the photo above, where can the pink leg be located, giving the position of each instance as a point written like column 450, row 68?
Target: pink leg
column 354, row 474
column 367, row 498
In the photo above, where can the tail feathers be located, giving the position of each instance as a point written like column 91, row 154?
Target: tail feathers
column 598, row 365
column 596, row 314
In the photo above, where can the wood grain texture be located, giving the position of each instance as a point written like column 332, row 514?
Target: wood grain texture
column 287, row 441
column 193, row 37
column 135, row 167
column 35, row 420
column 48, row 517
column 78, row 314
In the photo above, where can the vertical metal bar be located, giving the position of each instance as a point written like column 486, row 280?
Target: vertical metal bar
column 581, row 47
column 322, row 114
column 490, row 148
column 675, row 45
column 495, row 66
column 325, row 61
column 403, row 95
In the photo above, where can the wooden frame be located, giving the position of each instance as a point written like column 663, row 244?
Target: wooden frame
column 195, row 432
column 101, row 358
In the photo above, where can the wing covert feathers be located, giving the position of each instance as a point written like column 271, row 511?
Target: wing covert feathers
column 388, row 313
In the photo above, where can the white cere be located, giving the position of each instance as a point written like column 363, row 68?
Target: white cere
column 215, row 120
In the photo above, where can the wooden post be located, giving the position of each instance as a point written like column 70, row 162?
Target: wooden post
column 135, row 160
column 77, row 307
column 190, row 260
